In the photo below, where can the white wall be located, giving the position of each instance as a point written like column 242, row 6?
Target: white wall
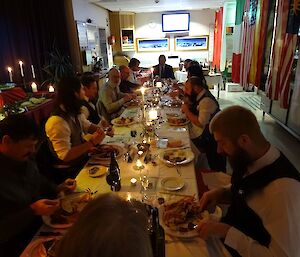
column 84, row 10
column 149, row 25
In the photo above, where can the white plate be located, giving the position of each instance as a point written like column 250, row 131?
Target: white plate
column 47, row 221
column 115, row 123
column 193, row 233
column 172, row 183
column 119, row 147
column 97, row 171
column 189, row 155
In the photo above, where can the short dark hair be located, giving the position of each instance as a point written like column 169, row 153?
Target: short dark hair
column 133, row 62
column 66, row 89
column 18, row 127
column 196, row 71
column 188, row 60
column 87, row 80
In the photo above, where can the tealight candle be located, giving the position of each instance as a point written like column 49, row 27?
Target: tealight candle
column 51, row 89
column 34, row 87
column 152, row 114
column 158, row 84
column 133, row 181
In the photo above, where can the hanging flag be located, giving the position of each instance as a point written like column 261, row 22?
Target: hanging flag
column 237, row 41
column 286, row 23
column 218, row 38
column 288, row 52
column 248, row 37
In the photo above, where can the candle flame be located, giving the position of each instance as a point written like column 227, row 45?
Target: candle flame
column 143, row 90
column 9, row 69
column 152, row 69
column 20, row 62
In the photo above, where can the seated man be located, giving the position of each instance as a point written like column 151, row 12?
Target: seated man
column 65, row 129
column 134, row 68
column 126, row 86
column 24, row 193
column 263, row 216
column 163, row 70
column 202, row 107
column 89, row 109
column 111, row 100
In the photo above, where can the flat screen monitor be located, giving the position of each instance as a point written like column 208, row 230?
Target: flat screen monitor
column 175, row 22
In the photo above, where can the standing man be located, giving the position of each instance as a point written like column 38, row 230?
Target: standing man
column 126, row 86
column 111, row 100
column 264, row 196
column 24, row 193
column 163, row 70
column 202, row 107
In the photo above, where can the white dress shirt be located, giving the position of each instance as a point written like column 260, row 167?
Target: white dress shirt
column 59, row 133
column 133, row 77
column 206, row 108
column 278, row 206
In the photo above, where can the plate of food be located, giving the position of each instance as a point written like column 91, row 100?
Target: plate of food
column 97, row 171
column 176, row 156
column 180, row 218
column 103, row 152
column 177, row 121
column 133, row 103
column 70, row 206
column 172, row 183
column 174, row 143
column 122, row 121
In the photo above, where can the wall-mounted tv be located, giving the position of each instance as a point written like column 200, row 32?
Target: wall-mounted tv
column 175, row 22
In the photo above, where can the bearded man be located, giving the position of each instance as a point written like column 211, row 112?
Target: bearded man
column 263, row 216
column 111, row 100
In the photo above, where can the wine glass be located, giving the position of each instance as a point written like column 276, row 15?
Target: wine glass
column 144, row 183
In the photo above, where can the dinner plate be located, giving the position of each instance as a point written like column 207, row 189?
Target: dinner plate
column 115, row 122
column 178, row 124
column 97, row 171
column 172, row 183
column 47, row 221
column 118, row 147
column 188, row 234
column 188, row 154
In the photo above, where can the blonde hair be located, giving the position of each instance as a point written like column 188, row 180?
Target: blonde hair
column 235, row 121
column 108, row 226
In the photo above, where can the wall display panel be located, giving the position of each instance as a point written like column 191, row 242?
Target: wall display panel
column 191, row 43
column 152, row 44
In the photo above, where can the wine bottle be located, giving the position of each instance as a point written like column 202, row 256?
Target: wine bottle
column 113, row 176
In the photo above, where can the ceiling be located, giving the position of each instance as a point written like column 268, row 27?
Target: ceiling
column 139, row 6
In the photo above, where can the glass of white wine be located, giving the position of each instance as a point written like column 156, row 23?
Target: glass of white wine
column 144, row 183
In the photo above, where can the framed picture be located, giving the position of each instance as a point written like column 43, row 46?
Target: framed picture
column 191, row 43
column 152, row 44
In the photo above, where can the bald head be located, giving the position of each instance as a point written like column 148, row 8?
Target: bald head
column 114, row 76
column 125, row 72
column 236, row 121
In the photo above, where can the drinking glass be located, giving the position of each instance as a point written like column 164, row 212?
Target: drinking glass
column 144, row 183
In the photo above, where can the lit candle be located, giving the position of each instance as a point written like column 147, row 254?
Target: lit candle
column 32, row 70
column 34, row 87
column 139, row 164
column 21, row 68
column 51, row 89
column 152, row 114
column 158, row 84
column 133, row 182
column 10, row 74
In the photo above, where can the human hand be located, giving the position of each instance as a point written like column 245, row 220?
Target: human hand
column 68, row 185
column 127, row 98
column 185, row 108
column 97, row 137
column 133, row 95
column 210, row 199
column 209, row 228
column 44, row 207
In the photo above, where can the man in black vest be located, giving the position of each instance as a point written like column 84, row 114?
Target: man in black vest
column 200, row 109
column 91, row 91
column 263, row 216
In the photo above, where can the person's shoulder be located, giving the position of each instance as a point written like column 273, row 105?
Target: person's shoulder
column 54, row 121
column 169, row 66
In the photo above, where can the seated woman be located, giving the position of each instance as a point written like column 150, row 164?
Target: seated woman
column 65, row 128
column 108, row 226
column 200, row 109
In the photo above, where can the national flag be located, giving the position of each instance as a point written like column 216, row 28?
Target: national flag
column 237, row 41
column 248, row 36
column 286, row 23
column 218, row 38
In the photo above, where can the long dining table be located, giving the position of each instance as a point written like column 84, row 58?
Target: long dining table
column 157, row 171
